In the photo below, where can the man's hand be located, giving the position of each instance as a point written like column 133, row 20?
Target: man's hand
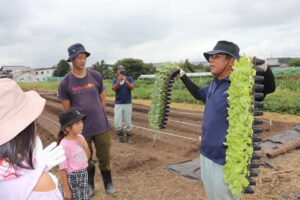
column 181, row 73
column 263, row 66
column 120, row 77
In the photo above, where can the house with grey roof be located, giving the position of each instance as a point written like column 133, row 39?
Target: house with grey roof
column 26, row 74
column 273, row 62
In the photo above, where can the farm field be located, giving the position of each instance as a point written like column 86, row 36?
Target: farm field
column 286, row 98
column 138, row 168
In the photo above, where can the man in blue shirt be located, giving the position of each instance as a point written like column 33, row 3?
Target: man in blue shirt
column 123, row 85
column 215, row 123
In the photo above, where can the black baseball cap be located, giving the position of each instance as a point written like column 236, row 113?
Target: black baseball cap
column 226, row 47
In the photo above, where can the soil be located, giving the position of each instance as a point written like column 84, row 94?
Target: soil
column 138, row 168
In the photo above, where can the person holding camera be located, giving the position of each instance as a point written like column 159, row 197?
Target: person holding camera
column 123, row 85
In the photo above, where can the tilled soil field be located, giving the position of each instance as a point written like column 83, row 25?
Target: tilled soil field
column 138, row 168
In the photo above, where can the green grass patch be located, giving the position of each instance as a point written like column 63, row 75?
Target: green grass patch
column 53, row 85
column 283, row 100
column 286, row 98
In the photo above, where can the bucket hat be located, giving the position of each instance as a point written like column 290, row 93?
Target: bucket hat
column 69, row 117
column 120, row 67
column 76, row 49
column 17, row 109
column 224, row 46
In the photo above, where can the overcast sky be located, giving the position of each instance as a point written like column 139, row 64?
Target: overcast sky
column 37, row 33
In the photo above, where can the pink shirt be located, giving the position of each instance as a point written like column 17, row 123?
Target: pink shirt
column 76, row 158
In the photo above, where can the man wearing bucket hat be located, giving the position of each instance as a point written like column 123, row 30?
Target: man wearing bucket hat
column 83, row 90
column 215, row 124
column 22, row 157
column 123, row 105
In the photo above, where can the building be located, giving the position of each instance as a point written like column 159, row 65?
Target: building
column 273, row 62
column 8, row 71
column 34, row 75
column 26, row 74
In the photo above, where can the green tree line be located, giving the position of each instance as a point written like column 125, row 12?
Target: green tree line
column 134, row 68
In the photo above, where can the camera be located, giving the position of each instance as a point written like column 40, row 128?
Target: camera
column 123, row 73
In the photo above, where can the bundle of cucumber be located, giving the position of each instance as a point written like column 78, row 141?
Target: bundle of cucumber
column 245, row 97
column 161, row 97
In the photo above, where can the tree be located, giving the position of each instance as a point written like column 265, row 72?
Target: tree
column 206, row 68
column 284, row 60
column 135, row 67
column 294, row 62
column 62, row 68
column 150, row 68
column 187, row 66
column 103, row 69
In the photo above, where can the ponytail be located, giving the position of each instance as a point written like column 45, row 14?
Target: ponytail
column 61, row 136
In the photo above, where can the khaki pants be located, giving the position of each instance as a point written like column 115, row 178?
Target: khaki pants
column 102, row 145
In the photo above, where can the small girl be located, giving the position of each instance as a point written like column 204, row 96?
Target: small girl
column 73, row 172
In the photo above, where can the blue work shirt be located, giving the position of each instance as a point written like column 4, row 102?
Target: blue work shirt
column 123, row 93
column 215, row 123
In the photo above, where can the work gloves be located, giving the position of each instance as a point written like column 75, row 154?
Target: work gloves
column 51, row 156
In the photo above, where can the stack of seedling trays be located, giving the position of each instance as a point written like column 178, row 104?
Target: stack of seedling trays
column 161, row 97
column 258, row 97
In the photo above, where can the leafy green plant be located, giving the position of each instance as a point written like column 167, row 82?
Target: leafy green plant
column 161, row 95
column 240, row 117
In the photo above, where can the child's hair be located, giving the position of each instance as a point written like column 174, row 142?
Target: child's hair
column 62, row 134
column 20, row 149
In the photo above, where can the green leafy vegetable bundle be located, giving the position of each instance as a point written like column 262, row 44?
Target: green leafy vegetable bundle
column 161, row 96
column 240, row 132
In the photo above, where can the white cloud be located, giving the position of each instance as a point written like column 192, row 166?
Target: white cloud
column 38, row 33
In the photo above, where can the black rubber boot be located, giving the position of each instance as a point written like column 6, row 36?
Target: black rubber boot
column 91, row 183
column 109, row 188
column 122, row 136
column 128, row 135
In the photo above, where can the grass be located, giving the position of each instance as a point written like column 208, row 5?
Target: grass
column 51, row 86
column 283, row 100
column 144, row 89
column 286, row 98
